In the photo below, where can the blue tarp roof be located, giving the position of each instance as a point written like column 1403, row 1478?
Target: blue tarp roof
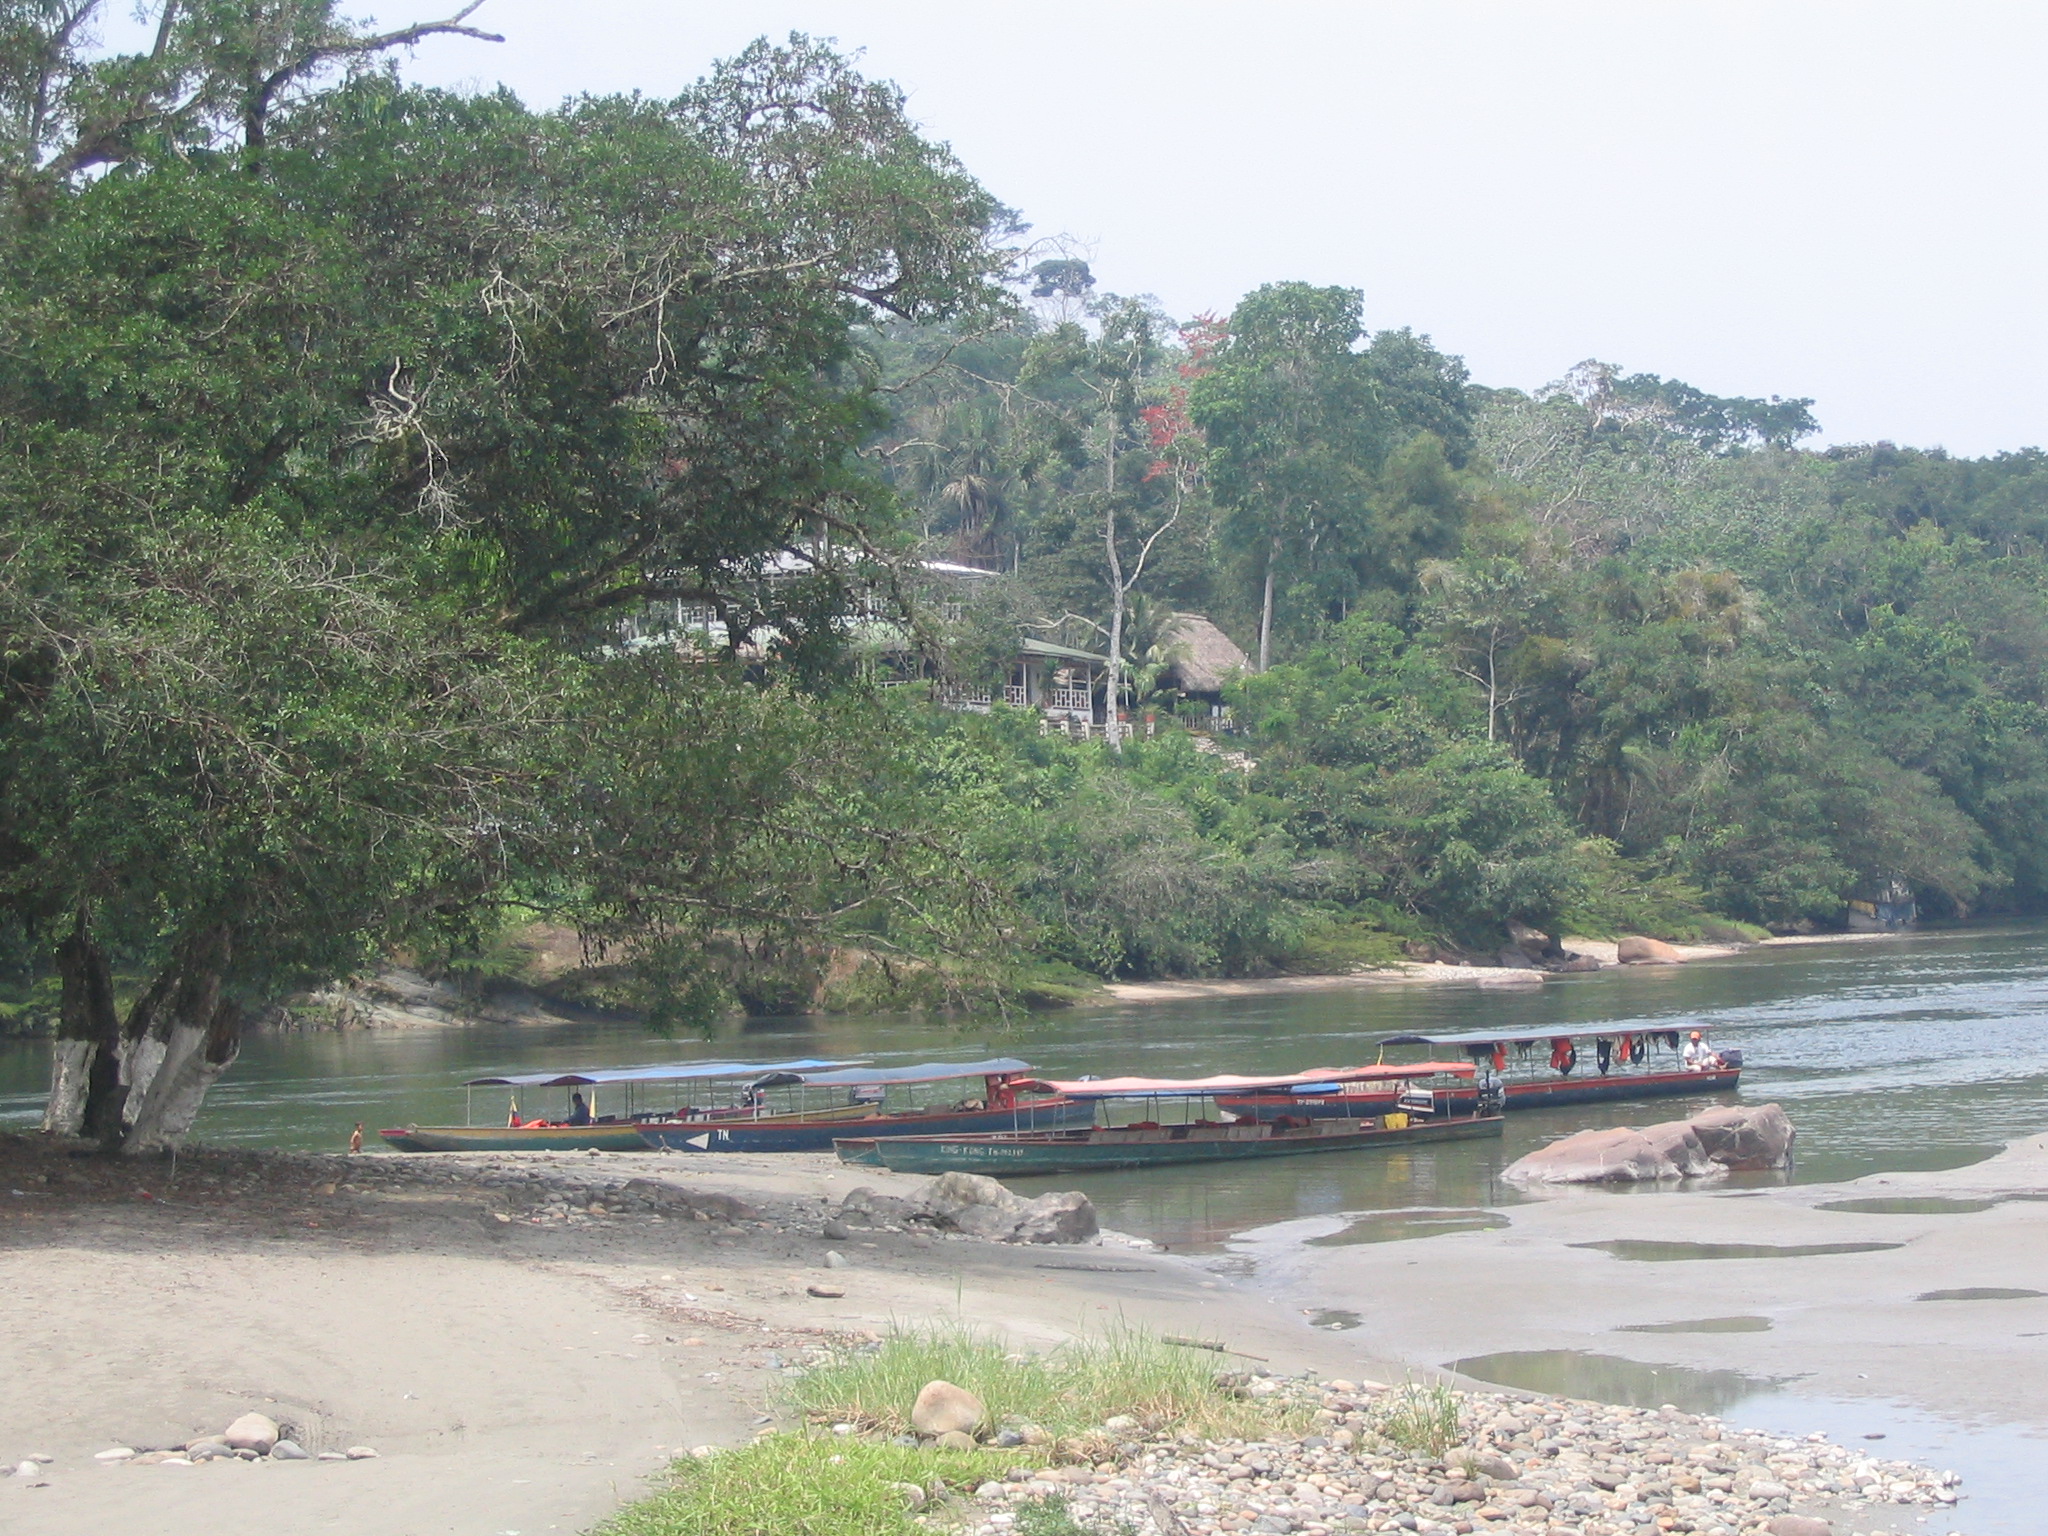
column 924, row 1072
column 658, row 1072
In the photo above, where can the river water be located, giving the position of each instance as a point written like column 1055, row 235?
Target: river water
column 1919, row 1052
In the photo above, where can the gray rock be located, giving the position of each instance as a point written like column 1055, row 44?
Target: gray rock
column 252, row 1432
column 956, row 1440
column 836, row 1231
column 1746, row 1136
column 1065, row 1217
column 941, row 1407
column 1799, row 1525
column 207, row 1450
column 834, row 1259
column 1494, row 1465
column 289, row 1450
column 1008, row 1439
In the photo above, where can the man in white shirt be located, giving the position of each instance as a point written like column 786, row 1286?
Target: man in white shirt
column 1696, row 1057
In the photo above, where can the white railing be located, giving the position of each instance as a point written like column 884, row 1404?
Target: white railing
column 1067, row 698
column 1013, row 694
column 960, row 698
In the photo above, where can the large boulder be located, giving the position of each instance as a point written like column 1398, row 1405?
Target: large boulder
column 1746, row 1136
column 980, row 1207
column 1065, row 1217
column 1711, row 1144
column 1637, row 950
column 1620, row 1155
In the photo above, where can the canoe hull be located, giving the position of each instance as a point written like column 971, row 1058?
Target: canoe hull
column 792, row 1134
column 1530, row 1095
column 525, row 1138
column 1082, row 1151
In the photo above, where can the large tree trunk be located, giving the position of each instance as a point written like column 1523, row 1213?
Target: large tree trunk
column 136, row 1085
column 85, row 1059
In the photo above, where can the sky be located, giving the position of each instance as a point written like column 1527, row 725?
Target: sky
column 1839, row 199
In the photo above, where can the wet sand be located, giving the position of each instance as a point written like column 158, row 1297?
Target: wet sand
column 1595, row 1270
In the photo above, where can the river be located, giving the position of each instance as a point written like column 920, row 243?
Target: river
column 1918, row 1052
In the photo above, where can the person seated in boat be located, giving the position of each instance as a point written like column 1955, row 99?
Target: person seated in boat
column 1698, row 1056
column 579, row 1112
column 1002, row 1094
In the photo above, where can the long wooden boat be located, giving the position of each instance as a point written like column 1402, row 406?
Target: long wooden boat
column 611, row 1133
column 602, row 1137
column 1017, row 1153
column 1531, row 1070
column 1009, row 1100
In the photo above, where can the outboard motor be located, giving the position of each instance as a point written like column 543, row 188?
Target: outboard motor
column 1493, row 1096
column 1731, row 1058
column 1418, row 1101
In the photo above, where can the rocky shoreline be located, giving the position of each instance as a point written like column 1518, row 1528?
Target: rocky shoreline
column 1524, row 1465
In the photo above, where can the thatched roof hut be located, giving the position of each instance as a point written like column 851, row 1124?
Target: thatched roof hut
column 1204, row 656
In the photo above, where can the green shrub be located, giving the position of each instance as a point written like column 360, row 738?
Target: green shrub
column 1068, row 1392
column 804, row 1485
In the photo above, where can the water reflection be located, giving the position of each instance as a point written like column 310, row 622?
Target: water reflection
column 1641, row 1250
column 1399, row 1226
column 1908, row 1205
column 1702, row 1325
column 1614, row 1379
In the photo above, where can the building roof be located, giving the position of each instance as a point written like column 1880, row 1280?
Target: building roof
column 1206, row 656
column 1033, row 647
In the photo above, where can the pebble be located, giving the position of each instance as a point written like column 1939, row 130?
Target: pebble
column 1525, row 1468
column 361, row 1453
column 834, row 1259
column 115, row 1453
column 27, row 1469
column 289, row 1450
column 332, row 1456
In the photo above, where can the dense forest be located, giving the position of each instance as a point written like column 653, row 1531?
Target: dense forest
column 427, row 517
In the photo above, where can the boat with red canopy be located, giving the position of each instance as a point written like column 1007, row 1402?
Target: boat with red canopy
column 1541, row 1067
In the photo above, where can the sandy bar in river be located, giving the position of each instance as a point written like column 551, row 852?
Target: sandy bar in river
column 1434, row 972
column 513, row 1376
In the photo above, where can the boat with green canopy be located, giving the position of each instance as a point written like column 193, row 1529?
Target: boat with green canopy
column 1423, row 1115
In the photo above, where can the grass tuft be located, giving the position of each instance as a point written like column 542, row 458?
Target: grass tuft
column 1419, row 1417
column 801, row 1485
column 1068, row 1392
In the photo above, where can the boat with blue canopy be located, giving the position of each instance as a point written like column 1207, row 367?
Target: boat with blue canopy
column 811, row 1108
column 590, row 1129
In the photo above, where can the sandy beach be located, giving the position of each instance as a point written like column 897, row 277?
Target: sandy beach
column 512, row 1375
column 1437, row 972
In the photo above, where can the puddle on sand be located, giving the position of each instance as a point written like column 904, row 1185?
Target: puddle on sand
column 1981, row 1293
column 1702, row 1325
column 1336, row 1320
column 1614, row 1379
column 1908, row 1205
column 1397, row 1226
column 1645, row 1251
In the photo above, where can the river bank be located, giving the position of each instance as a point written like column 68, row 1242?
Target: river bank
column 519, row 1363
